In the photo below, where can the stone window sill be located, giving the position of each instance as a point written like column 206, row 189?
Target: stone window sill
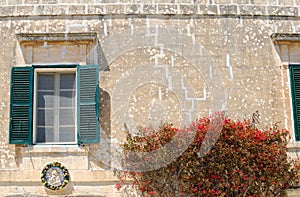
column 35, row 157
column 42, row 149
column 293, row 146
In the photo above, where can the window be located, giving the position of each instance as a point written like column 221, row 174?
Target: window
column 54, row 105
column 295, row 89
column 55, row 97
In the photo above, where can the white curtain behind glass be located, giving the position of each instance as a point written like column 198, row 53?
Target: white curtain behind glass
column 56, row 107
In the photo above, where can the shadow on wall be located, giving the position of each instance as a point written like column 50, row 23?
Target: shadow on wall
column 103, row 65
column 69, row 189
column 98, row 152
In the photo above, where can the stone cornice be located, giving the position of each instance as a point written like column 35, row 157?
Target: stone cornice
column 82, row 37
column 139, row 9
column 284, row 38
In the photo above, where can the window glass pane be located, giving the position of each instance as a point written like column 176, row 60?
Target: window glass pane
column 67, row 81
column 45, row 135
column 67, row 134
column 45, row 117
column 45, row 99
column 67, row 99
column 67, row 117
column 56, row 97
column 45, row 82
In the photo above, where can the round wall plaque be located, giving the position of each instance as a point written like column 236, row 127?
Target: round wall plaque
column 55, row 176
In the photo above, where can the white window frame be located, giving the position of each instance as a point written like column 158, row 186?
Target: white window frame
column 51, row 70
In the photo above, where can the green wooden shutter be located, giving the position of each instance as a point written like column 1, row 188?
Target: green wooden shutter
column 20, row 126
column 295, row 88
column 88, row 104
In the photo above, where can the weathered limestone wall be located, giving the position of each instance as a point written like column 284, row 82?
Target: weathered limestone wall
column 167, row 7
column 160, row 61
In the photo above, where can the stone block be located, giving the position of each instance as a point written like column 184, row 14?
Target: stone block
column 207, row 9
column 92, row 176
column 228, row 10
column 32, row 1
column 24, row 10
column 149, row 8
column 7, row 10
column 50, row 1
column 272, row 2
column 14, row 2
column 97, row 9
column 292, row 192
column 106, row 1
column 167, row 9
column 132, row 9
column 58, row 10
column 35, row 158
column 43, row 10
column 81, row 1
column 288, row 3
column 252, row 10
column 76, row 9
column 282, row 11
column 297, row 2
column 222, row 1
column 201, row 2
column 61, row 53
column 115, row 9
column 259, row 2
column 182, row 1
column 240, row 1
column 188, row 9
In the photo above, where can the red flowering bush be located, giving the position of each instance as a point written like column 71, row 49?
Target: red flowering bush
column 244, row 161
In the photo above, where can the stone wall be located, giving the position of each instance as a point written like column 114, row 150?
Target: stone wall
column 150, row 7
column 159, row 61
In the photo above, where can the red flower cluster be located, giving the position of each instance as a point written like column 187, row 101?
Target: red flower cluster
column 245, row 161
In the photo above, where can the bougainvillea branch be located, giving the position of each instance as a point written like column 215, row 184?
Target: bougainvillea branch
column 244, row 161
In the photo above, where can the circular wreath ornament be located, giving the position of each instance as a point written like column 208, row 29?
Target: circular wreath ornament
column 55, row 176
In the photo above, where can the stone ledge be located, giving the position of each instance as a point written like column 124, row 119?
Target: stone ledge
column 34, row 39
column 202, row 2
column 7, row 176
column 279, row 38
column 104, row 9
column 292, row 192
column 294, row 146
column 44, row 149
column 36, row 189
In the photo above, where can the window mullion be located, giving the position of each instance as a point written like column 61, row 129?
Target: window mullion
column 56, row 107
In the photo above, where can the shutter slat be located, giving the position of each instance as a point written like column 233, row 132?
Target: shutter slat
column 21, row 105
column 296, row 81
column 88, row 110
column 297, row 104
